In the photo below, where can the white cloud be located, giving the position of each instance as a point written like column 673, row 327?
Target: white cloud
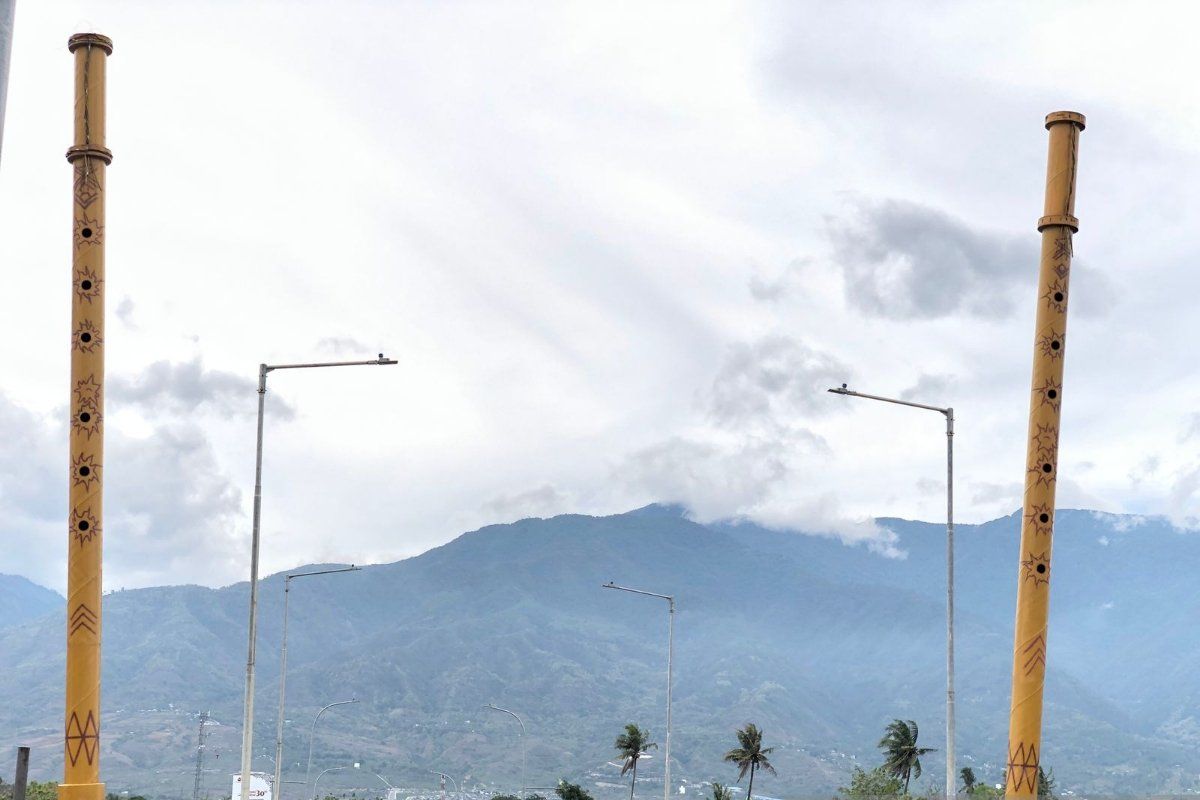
column 551, row 213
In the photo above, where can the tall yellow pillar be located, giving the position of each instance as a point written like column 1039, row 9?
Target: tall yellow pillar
column 89, row 158
column 1057, row 226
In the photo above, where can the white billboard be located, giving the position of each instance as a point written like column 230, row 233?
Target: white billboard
column 260, row 786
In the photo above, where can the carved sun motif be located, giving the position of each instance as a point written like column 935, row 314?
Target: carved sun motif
column 1040, row 518
column 87, row 231
column 1036, row 569
column 86, row 338
column 1041, row 470
column 1051, row 344
column 1056, row 295
column 1049, row 394
column 87, row 285
column 84, row 526
column 1044, row 439
column 84, row 471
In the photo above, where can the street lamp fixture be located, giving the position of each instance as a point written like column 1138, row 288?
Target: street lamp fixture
column 670, row 670
column 330, row 769
column 312, row 733
column 252, row 633
column 521, row 722
column 948, row 413
column 287, row 588
column 445, row 778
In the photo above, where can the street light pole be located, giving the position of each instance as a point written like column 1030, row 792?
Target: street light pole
column 312, row 732
column 948, row 413
column 445, row 778
column 287, row 588
column 322, row 775
column 522, row 724
column 670, row 671
column 248, row 708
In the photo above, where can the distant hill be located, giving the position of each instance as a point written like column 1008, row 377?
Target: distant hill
column 22, row 600
column 818, row 642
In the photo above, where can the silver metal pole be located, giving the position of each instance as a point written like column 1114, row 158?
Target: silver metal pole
column 311, row 733
column 287, row 586
column 445, row 778
column 248, row 718
column 322, row 775
column 278, row 787
column 8, row 10
column 522, row 723
column 951, row 779
column 948, row 413
column 670, row 665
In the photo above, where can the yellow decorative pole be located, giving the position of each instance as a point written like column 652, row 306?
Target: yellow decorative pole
column 1057, row 227
column 89, row 158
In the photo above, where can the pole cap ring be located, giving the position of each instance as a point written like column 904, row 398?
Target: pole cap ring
column 1056, row 117
column 1065, row 220
column 84, row 39
column 89, row 151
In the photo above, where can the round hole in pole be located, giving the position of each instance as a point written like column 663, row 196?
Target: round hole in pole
column 85, row 470
column 1043, row 517
column 1058, row 297
column 86, row 233
column 85, row 337
column 84, row 525
column 85, row 417
column 1047, row 468
column 1055, row 345
column 1052, row 393
column 1041, row 568
column 86, row 285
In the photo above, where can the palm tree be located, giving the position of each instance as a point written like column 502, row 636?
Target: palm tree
column 632, row 744
column 750, row 756
column 899, row 744
column 720, row 792
column 968, row 778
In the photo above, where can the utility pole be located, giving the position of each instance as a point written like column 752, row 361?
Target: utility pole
column 200, row 755
column 22, row 776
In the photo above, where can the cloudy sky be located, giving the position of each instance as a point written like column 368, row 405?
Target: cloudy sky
column 619, row 250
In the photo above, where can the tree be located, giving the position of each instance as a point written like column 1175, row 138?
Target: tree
column 632, row 745
column 750, row 755
column 41, row 790
column 571, row 791
column 968, row 778
column 899, row 745
column 1046, row 784
column 870, row 785
column 720, row 792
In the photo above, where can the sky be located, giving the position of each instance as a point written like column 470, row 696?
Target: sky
column 619, row 252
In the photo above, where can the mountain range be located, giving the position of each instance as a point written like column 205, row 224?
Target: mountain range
column 818, row 642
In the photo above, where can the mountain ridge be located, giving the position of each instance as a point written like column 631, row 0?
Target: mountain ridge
column 819, row 642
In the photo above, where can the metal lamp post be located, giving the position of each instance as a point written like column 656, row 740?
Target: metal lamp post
column 287, row 588
column 670, row 669
column 522, row 724
column 445, row 778
column 330, row 769
column 311, row 734
column 248, row 717
column 948, row 413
